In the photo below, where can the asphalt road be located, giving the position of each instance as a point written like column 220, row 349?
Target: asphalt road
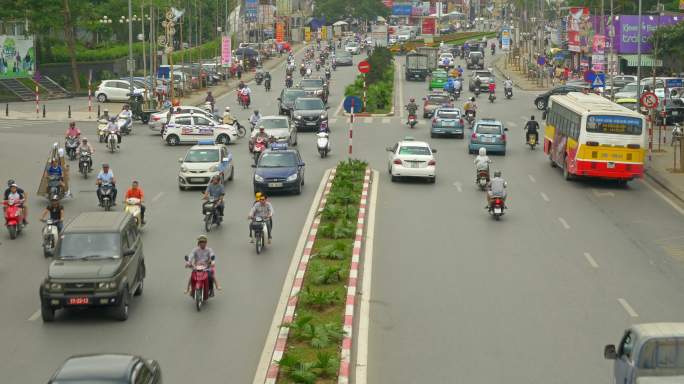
column 220, row 344
column 460, row 298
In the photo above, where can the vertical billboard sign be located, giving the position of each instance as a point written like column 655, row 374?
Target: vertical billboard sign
column 429, row 26
column 506, row 39
column 598, row 51
column 225, row 51
column 17, row 58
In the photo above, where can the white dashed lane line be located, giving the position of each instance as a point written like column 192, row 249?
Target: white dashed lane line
column 532, row 179
column 590, row 260
column 543, row 195
column 628, row 308
column 564, row 223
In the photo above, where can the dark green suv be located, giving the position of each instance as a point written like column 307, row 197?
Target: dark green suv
column 99, row 263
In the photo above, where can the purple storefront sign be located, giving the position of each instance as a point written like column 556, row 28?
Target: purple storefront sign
column 627, row 29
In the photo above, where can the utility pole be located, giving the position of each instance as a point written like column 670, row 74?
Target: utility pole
column 639, row 53
column 130, row 47
column 611, row 35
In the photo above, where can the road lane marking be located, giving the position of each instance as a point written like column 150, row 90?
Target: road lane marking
column 662, row 196
column 628, row 308
column 157, row 197
column 598, row 193
column 361, row 373
column 564, row 223
column 543, row 195
column 339, row 109
column 385, row 120
column 532, row 178
column 35, row 316
column 458, row 186
column 591, row 260
column 368, row 120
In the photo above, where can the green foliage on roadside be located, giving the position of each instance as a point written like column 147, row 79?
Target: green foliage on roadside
column 379, row 80
column 316, row 333
column 667, row 42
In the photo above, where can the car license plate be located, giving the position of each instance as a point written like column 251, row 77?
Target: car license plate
column 487, row 139
column 675, row 113
column 449, row 123
column 497, row 210
column 611, row 165
column 196, row 180
column 78, row 301
column 310, row 123
column 415, row 164
column 275, row 185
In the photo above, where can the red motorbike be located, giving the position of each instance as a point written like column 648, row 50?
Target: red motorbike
column 244, row 100
column 14, row 217
column 199, row 283
column 496, row 207
column 259, row 146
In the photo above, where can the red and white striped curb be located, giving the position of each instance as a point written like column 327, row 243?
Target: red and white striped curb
column 345, row 361
column 279, row 349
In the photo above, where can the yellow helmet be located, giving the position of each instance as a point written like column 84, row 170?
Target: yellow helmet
column 201, row 238
column 258, row 195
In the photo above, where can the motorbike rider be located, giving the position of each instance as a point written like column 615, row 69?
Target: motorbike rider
column 11, row 184
column 508, row 84
column 492, row 86
column 532, row 129
column 449, row 85
column 105, row 115
column 113, row 129
column 55, row 170
column 470, row 106
column 264, row 210
column 288, row 81
column 478, row 84
column 210, row 100
column 56, row 212
column 72, row 131
column 85, row 146
column 412, row 107
column 255, row 119
column 460, row 70
column 496, row 188
column 227, row 117
column 103, row 177
column 202, row 256
column 267, row 78
column 246, row 92
column 216, row 191
column 137, row 193
column 126, row 114
column 482, row 162
column 308, row 72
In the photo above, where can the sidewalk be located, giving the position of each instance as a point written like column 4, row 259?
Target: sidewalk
column 519, row 79
column 58, row 109
column 660, row 168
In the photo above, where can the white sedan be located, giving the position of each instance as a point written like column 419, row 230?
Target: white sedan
column 410, row 158
column 190, row 128
column 158, row 119
column 353, row 48
column 446, row 60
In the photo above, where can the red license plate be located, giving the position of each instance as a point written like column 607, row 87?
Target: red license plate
column 78, row 301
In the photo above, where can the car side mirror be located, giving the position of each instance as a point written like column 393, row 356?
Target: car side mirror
column 302, row 164
column 186, row 258
column 505, row 128
column 226, row 159
column 388, row 149
column 130, row 252
column 180, row 160
column 327, row 107
column 434, row 150
column 279, row 99
column 609, row 352
column 253, row 165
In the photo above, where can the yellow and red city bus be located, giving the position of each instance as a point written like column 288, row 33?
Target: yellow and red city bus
column 588, row 135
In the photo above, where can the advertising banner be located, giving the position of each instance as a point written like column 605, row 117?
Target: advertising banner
column 324, row 32
column 401, row 9
column 307, row 34
column 251, row 10
column 627, row 29
column 388, row 3
column 280, row 32
column 598, row 50
column 225, row 51
column 283, row 7
column 573, row 41
column 17, row 58
column 429, row 26
column 506, row 39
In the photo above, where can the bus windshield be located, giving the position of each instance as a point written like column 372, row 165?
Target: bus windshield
column 621, row 125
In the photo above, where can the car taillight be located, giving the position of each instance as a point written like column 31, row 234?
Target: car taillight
column 397, row 161
column 434, row 120
column 473, row 136
column 156, row 118
column 503, row 137
column 461, row 121
column 432, row 162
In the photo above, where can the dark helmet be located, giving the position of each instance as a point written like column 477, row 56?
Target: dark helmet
column 532, row 117
column 10, row 182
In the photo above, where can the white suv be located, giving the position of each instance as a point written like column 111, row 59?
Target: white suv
column 115, row 90
column 204, row 161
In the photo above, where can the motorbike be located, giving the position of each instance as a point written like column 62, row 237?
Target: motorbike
column 676, row 134
column 455, row 94
column 327, row 74
column 112, row 142
column 14, row 217
column 259, row 146
column 211, row 214
column 492, row 97
column 470, row 117
column 288, row 82
column 477, row 91
column 302, row 71
column 259, row 78
column 201, row 288
column 412, row 120
column 244, row 100
column 496, row 207
column 102, row 130
column 50, row 237
column 70, row 145
column 84, row 163
column 54, row 186
column 532, row 141
column 482, row 178
column 260, row 229
column 267, row 85
column 106, row 196
column 323, row 143
column 239, row 128
column 334, row 65
column 508, row 92
column 124, row 125
column 318, row 66
column 133, row 208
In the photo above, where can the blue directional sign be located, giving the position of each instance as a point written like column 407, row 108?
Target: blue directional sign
column 349, row 100
column 673, row 83
column 597, row 80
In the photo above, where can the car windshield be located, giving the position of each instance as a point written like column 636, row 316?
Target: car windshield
column 311, row 83
column 483, row 74
column 438, row 99
column 475, row 54
column 291, row 96
column 309, row 104
column 273, row 123
column 630, row 88
column 448, row 114
column 414, row 150
column 488, row 129
column 90, row 246
column 276, row 159
column 343, row 54
column 202, row 156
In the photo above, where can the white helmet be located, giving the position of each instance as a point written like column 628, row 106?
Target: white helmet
column 483, row 151
column 227, row 109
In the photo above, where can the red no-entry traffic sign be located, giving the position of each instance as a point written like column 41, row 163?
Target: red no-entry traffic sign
column 649, row 100
column 364, row 67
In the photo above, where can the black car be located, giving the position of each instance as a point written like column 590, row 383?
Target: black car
column 279, row 170
column 108, row 368
column 344, row 58
column 315, row 87
column 309, row 113
column 543, row 100
column 287, row 99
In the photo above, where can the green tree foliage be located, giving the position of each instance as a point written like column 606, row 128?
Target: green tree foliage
column 335, row 10
column 624, row 7
column 668, row 41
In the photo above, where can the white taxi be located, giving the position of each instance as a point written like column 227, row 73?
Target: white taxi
column 158, row 119
column 410, row 158
column 204, row 161
column 446, row 60
column 190, row 128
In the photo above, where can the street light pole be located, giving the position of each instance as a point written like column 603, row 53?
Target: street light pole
column 639, row 53
column 130, row 47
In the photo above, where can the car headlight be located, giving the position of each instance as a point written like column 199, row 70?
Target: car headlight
column 54, row 286
column 297, row 117
column 258, row 178
column 319, row 92
column 213, row 168
column 107, row 285
column 184, row 168
column 292, row 177
column 324, row 115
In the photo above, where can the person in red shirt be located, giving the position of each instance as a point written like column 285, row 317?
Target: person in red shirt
column 136, row 192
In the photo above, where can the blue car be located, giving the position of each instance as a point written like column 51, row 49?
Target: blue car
column 490, row 134
column 279, row 169
column 447, row 122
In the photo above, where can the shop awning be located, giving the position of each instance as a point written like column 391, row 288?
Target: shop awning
column 646, row 60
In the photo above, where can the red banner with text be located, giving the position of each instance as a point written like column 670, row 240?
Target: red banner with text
column 429, row 26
